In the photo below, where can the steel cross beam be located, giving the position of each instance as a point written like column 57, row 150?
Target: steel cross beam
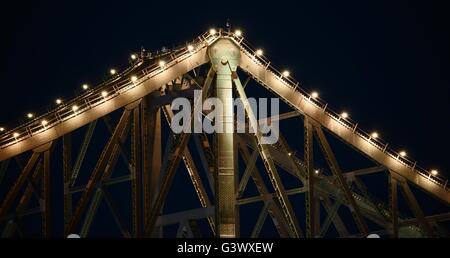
column 111, row 163
column 12, row 193
column 312, row 216
column 193, row 172
column 136, row 183
column 175, row 149
column 273, row 209
column 151, row 152
column 335, row 169
column 393, row 204
column 45, row 196
column 67, row 175
column 269, row 164
column 23, row 202
column 98, row 170
column 82, row 152
column 415, row 208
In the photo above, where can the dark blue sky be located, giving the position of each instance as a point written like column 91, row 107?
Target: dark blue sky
column 384, row 62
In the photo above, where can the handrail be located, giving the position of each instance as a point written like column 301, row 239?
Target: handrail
column 120, row 84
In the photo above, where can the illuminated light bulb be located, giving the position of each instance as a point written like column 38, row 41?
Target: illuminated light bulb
column 58, row 101
column 133, row 78
column 190, row 47
column 133, row 57
column 30, row 115
column 74, row 107
column 289, row 153
column 85, row 86
column 286, row 73
column 104, row 93
column 402, row 153
column 16, row 135
column 112, row 71
column 238, row 33
column 44, row 122
column 2, row 129
column 259, row 52
column 314, row 94
column 161, row 63
column 434, row 172
column 374, row 135
column 212, row 31
column 345, row 115
column 316, row 171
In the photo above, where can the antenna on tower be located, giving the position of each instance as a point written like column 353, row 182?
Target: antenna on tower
column 228, row 25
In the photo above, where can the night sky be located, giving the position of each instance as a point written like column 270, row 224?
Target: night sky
column 384, row 62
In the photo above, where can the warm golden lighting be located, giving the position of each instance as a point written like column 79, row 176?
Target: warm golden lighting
column 58, row 101
column 30, row 115
column 403, row 153
column 16, row 135
column 316, row 171
column 434, row 172
column 133, row 57
column 74, row 107
column 374, row 135
column 112, row 71
column 212, row 31
column 314, row 94
column 289, row 154
column 238, row 33
column 161, row 63
column 259, row 52
column 44, row 122
column 286, row 73
column 344, row 115
column 2, row 129
column 85, row 86
column 133, row 78
column 190, row 47
column 104, row 93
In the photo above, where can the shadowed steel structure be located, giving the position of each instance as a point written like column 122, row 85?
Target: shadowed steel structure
column 142, row 94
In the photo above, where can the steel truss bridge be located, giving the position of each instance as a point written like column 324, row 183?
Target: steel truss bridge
column 141, row 96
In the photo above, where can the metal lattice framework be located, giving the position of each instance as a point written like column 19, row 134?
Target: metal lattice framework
column 142, row 94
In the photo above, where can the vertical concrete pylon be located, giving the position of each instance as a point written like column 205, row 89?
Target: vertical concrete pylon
column 225, row 56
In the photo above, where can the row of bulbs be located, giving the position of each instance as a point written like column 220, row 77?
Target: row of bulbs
column 190, row 48
column 85, row 86
column 315, row 95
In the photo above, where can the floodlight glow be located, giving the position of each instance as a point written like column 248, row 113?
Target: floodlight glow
column 315, row 94
column 286, row 73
